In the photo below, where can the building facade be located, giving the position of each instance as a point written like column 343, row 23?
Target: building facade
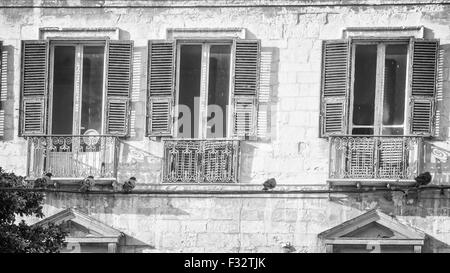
column 344, row 104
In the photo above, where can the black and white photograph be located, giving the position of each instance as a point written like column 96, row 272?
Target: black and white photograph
column 253, row 130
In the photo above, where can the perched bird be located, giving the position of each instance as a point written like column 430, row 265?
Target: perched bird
column 87, row 183
column 423, row 179
column 43, row 181
column 129, row 184
column 269, row 184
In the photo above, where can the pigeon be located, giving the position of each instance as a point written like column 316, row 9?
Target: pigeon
column 269, row 184
column 423, row 179
column 87, row 183
column 43, row 181
column 129, row 184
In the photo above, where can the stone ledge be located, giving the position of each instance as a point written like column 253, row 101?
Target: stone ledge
column 209, row 3
column 226, row 187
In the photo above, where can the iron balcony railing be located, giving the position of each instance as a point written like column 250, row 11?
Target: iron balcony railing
column 375, row 157
column 70, row 156
column 201, row 161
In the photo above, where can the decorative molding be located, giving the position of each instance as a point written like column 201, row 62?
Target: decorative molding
column 404, row 235
column 394, row 32
column 112, row 33
column 207, row 33
column 104, row 231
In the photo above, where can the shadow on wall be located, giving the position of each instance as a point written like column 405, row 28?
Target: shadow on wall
column 436, row 157
column 433, row 245
column 7, row 98
column 387, row 202
column 140, row 163
column 117, row 204
column 129, row 244
column 268, row 93
column 267, row 102
column 420, row 204
column 436, row 161
column 121, row 211
column 138, row 94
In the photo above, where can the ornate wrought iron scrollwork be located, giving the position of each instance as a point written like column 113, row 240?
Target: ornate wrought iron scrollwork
column 72, row 156
column 200, row 161
column 374, row 157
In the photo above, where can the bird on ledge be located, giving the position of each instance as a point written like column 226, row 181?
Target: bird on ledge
column 44, row 181
column 87, row 183
column 423, row 179
column 269, row 184
column 129, row 184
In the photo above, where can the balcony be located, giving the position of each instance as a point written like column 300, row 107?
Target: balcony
column 374, row 159
column 201, row 161
column 70, row 157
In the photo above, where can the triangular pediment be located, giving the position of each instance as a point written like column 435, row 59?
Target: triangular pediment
column 80, row 225
column 373, row 225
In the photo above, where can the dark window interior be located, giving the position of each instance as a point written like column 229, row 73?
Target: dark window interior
column 365, row 83
column 218, row 89
column 63, row 88
column 394, row 88
column 379, row 92
column 189, row 89
column 92, row 93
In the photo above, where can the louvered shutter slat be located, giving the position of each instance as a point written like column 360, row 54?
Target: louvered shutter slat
column 246, row 85
column 245, row 115
column 118, row 86
column 32, row 115
column 34, row 88
column 160, row 115
column 334, row 93
column 2, row 123
column 423, row 85
column 161, row 84
column 115, row 110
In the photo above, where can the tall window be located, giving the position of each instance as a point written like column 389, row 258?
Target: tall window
column 75, row 87
column 77, row 84
column 379, row 84
column 203, row 89
column 192, row 84
column 383, row 88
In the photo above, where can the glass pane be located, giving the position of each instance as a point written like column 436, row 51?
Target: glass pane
column 189, row 89
column 218, row 90
column 92, row 90
column 394, row 85
column 364, row 85
column 362, row 131
column 392, row 131
column 63, row 87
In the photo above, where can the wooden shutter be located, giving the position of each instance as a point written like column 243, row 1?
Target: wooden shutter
column 34, row 87
column 423, row 86
column 245, row 87
column 118, row 86
column 161, row 86
column 335, row 87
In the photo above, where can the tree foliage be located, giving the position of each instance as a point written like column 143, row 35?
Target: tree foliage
column 18, row 236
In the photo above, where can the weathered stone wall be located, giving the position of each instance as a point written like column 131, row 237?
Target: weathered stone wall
column 291, row 38
column 249, row 223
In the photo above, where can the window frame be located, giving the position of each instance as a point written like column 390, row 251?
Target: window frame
column 78, row 81
column 381, row 43
column 204, row 83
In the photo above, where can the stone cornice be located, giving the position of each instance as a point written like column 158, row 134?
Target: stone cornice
column 209, row 3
